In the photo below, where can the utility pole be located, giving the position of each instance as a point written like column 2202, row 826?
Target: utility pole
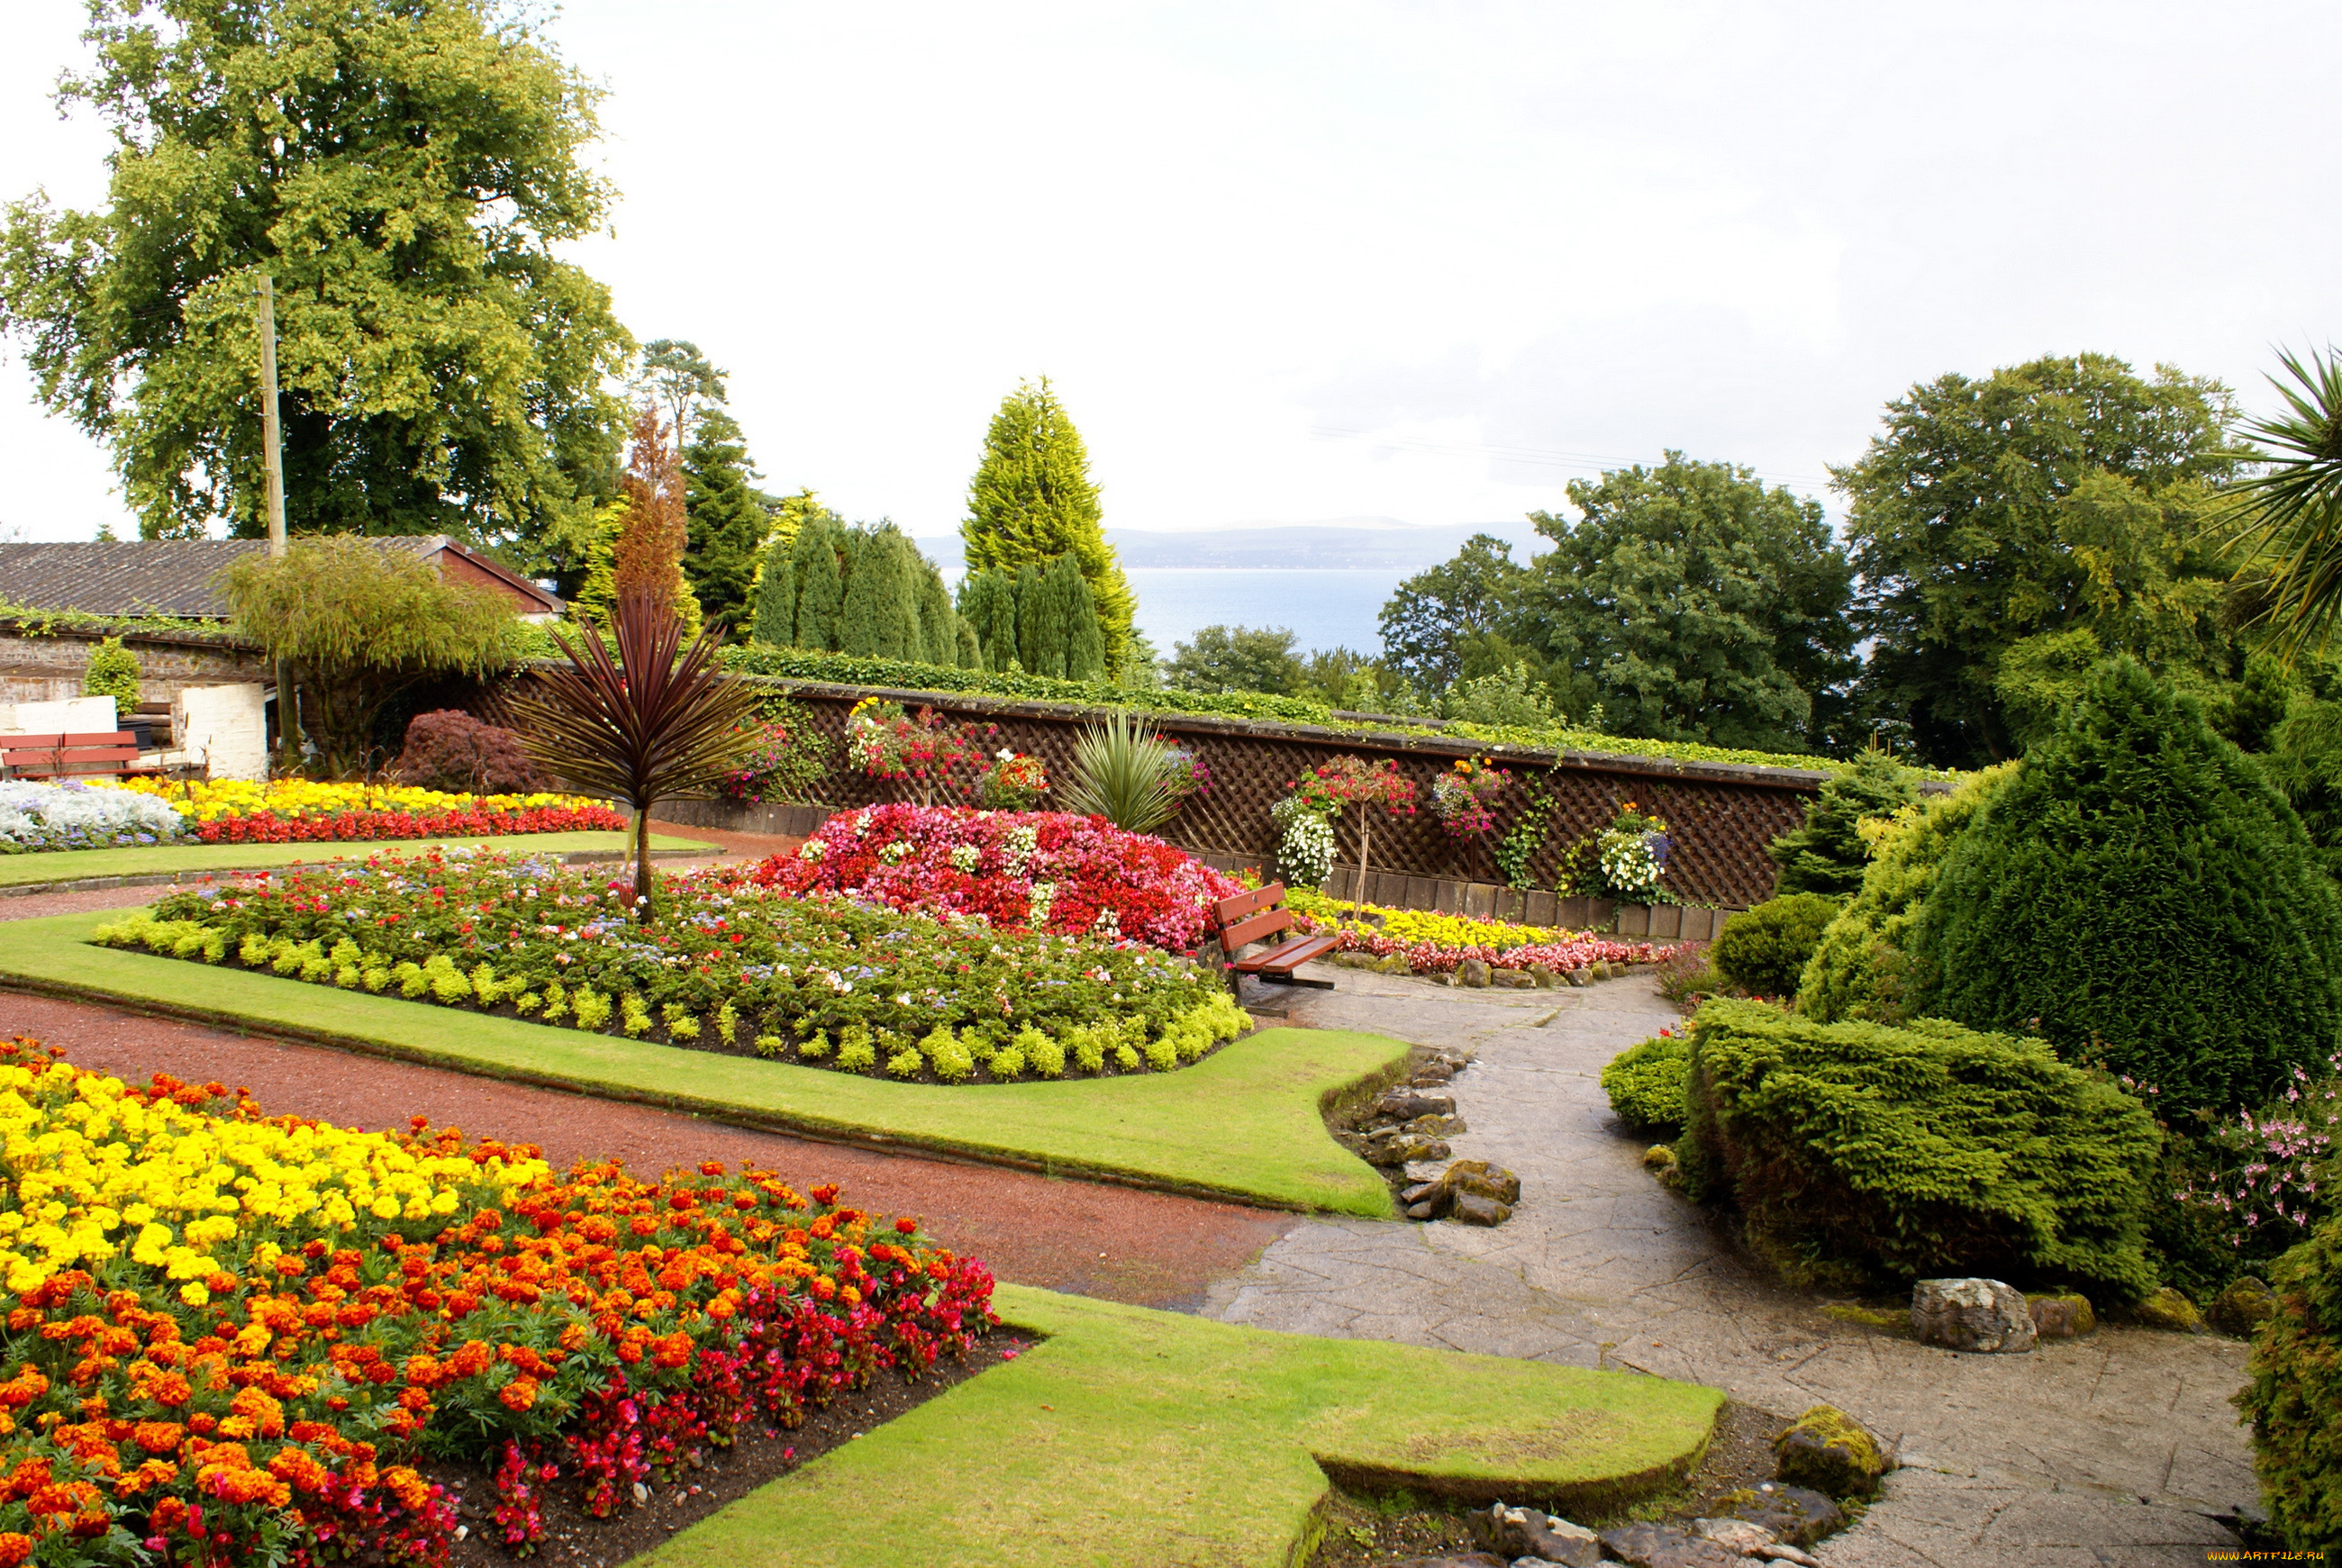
column 272, row 448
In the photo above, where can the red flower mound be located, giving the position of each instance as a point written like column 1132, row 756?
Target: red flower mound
column 1039, row 870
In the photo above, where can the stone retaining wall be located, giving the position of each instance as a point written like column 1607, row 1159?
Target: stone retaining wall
column 39, row 664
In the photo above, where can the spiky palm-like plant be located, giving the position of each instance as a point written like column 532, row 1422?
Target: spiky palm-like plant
column 2292, row 509
column 656, row 723
column 1123, row 772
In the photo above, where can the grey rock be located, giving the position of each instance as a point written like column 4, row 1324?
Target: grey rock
column 1547, row 979
column 1983, row 1316
column 1405, row 1104
column 1493, row 1189
column 1797, row 1514
column 1436, row 1126
column 1421, row 1211
column 1467, row 1560
column 1830, row 1451
column 1401, row 1148
column 1515, row 979
column 1481, row 1177
column 2243, row 1308
column 1430, row 1074
column 1472, row 972
column 1736, row 1535
column 1581, row 976
column 1665, row 1546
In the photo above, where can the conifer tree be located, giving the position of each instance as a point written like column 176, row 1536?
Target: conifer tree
column 1085, row 638
column 938, row 625
column 647, row 556
column 820, row 584
column 1825, row 854
column 987, row 604
column 1040, row 630
column 1032, row 500
column 880, row 618
column 725, row 520
column 966, row 653
column 776, row 595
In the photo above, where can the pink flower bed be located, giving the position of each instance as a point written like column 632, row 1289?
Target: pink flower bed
column 1442, row 958
column 1038, row 870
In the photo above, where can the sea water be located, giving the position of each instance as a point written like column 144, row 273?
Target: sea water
column 1323, row 608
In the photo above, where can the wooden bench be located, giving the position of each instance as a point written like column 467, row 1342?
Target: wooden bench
column 71, row 756
column 1257, row 916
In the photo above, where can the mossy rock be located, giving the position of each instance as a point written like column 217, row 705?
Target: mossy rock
column 1830, row 1451
column 2062, row 1315
column 2167, row 1309
column 2243, row 1308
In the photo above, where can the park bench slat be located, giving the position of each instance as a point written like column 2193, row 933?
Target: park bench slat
column 1254, row 916
column 1258, row 927
column 1284, row 959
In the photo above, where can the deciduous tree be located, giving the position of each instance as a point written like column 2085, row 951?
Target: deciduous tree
column 1236, row 659
column 406, row 174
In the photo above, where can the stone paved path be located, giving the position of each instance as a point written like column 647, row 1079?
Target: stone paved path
column 2111, row 1449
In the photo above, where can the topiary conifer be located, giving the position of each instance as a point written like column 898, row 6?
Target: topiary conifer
column 2144, row 892
column 1825, row 854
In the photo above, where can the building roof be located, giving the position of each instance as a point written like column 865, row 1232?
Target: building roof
column 181, row 576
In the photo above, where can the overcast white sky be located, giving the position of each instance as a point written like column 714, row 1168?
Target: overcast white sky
column 1297, row 262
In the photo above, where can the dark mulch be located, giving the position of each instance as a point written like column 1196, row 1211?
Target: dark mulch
column 723, row 1476
column 1368, row 1531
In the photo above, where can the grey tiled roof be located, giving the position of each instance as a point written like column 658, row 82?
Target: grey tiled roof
column 142, row 576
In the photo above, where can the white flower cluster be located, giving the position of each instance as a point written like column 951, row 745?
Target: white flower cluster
column 1304, row 851
column 1022, row 840
column 75, row 816
column 1628, row 867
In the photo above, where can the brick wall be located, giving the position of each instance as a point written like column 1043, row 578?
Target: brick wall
column 38, row 666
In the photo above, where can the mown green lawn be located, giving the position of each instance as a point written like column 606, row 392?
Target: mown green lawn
column 1243, row 1124
column 1131, row 1437
column 161, row 859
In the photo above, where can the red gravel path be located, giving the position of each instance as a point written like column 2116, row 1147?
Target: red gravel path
column 1145, row 1248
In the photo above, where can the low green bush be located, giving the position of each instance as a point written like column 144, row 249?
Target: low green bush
column 1646, row 1082
column 1764, row 950
column 113, row 673
column 1865, row 1153
column 2293, row 1399
column 1860, row 969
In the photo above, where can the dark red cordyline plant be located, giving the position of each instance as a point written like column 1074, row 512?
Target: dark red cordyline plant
column 657, row 723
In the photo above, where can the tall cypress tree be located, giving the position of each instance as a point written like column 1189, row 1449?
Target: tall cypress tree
column 820, row 582
column 938, row 625
column 881, row 614
column 776, row 595
column 725, row 520
column 987, row 602
column 1040, row 630
column 967, row 653
column 1032, row 499
column 1085, row 637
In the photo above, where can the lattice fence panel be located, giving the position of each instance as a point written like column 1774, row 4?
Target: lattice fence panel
column 1719, row 828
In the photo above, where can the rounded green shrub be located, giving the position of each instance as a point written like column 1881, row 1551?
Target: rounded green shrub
column 1860, row 969
column 1764, row 950
column 1865, row 1152
column 2293, row 1399
column 2141, row 889
column 1646, row 1082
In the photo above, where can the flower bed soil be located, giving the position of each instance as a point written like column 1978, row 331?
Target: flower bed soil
column 720, row 1476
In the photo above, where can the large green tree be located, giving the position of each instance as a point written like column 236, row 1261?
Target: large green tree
column 727, row 522
column 1694, row 603
column 1431, row 621
column 2066, row 492
column 1236, row 659
column 404, row 171
column 1032, row 500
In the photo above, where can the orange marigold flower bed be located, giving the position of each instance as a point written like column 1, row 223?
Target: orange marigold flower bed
column 265, row 1399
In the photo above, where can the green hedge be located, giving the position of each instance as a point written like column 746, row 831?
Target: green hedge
column 1863, row 1154
column 1646, row 1082
column 1568, row 740
column 847, row 670
column 2295, row 1398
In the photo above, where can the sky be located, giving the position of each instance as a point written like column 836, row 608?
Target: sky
column 1289, row 263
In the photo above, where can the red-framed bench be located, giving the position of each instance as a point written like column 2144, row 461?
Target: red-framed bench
column 71, row 756
column 1259, row 917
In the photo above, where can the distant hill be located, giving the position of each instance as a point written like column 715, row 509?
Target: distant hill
column 1364, row 543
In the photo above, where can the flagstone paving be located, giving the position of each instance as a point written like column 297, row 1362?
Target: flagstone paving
column 2119, row 1448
